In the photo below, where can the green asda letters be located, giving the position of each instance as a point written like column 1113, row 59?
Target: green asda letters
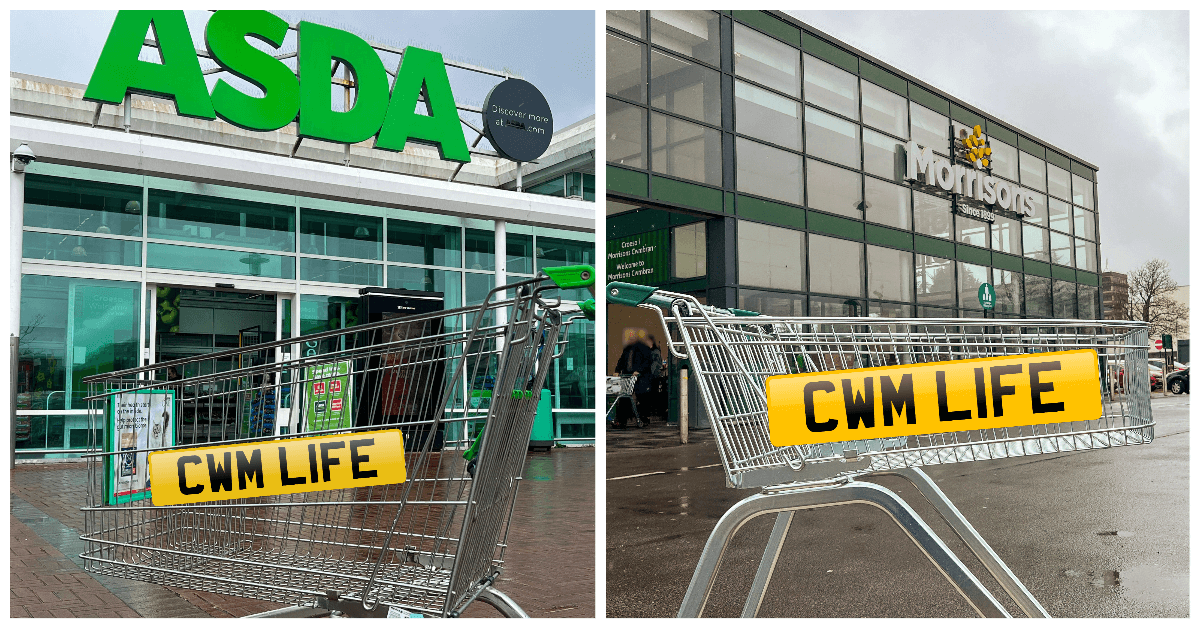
column 376, row 112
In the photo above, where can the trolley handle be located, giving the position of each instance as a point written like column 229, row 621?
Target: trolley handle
column 635, row 295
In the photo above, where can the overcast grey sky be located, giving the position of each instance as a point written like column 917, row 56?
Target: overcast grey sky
column 1110, row 87
column 554, row 50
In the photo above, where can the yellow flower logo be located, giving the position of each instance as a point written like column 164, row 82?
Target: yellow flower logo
column 975, row 149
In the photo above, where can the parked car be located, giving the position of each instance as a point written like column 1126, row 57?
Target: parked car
column 1177, row 382
column 1157, row 363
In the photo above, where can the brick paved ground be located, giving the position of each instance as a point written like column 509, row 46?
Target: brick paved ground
column 550, row 567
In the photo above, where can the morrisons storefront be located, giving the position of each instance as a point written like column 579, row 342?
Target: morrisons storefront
column 758, row 163
column 150, row 236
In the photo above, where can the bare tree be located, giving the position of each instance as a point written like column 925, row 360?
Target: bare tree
column 1150, row 298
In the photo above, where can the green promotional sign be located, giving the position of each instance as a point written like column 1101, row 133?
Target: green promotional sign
column 642, row 259
column 388, row 114
column 987, row 296
column 328, row 396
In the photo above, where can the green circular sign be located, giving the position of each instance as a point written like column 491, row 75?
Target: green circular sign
column 987, row 296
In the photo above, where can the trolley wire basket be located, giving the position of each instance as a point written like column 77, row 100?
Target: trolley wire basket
column 732, row 353
column 620, row 387
column 462, row 387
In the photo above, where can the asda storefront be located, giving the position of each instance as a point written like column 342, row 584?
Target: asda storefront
column 155, row 236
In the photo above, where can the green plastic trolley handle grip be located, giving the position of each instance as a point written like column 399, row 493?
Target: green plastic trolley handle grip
column 579, row 276
column 588, row 308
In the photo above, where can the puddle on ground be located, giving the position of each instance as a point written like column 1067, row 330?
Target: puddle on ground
column 1145, row 583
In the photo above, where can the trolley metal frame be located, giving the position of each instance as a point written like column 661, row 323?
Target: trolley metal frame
column 624, row 386
column 732, row 352
column 432, row 545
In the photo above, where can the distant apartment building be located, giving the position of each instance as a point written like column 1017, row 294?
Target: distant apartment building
column 1114, row 293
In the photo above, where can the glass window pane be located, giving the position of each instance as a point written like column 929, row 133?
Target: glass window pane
column 931, row 215
column 830, row 87
column 935, row 281
column 477, row 288
column 883, row 156
column 689, row 253
column 884, row 110
column 428, row 280
column 1085, row 255
column 684, row 88
column 839, row 308
column 835, row 266
column 889, row 274
column 831, row 138
column 834, row 190
column 1037, row 243
column 771, row 303
column 1064, row 299
column 553, row 252
column 767, row 115
column 222, row 221
column 890, row 310
column 1085, row 224
column 626, row 21
column 1006, row 235
column 1004, row 159
column 320, row 313
column 421, row 243
column 340, row 271
column 1033, row 172
column 769, row 172
column 1037, row 297
column 971, row 231
column 1088, row 296
column 765, row 60
column 770, row 257
column 1008, row 291
column 930, row 129
column 1060, row 249
column 196, row 259
column 685, row 150
column 935, row 312
column 1060, row 215
column 554, row 187
column 888, row 203
column 520, row 253
column 480, row 250
column 625, row 68
column 340, row 235
column 970, row 277
column 1081, row 192
column 626, row 143
column 69, row 248
column 75, row 205
column 1040, row 213
column 696, row 34
column 1058, row 182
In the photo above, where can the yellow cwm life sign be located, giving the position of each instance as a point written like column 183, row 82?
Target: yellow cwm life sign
column 931, row 398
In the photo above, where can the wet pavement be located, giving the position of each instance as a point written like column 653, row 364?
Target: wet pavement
column 1099, row 533
column 550, row 568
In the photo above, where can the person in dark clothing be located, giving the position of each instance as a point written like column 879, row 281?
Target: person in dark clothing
column 657, row 402
column 635, row 360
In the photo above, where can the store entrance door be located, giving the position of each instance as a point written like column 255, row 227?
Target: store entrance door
column 189, row 322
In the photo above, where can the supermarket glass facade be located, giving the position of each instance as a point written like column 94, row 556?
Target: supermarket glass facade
column 759, row 165
column 91, row 236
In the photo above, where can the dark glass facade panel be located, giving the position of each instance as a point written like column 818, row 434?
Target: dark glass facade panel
column 767, row 116
column 625, row 68
column 339, row 234
column 1004, row 159
column 222, row 221
column 479, row 250
column 1060, row 215
column 626, row 142
column 1064, row 299
column 1037, row 297
column 201, row 260
column 971, row 231
column 929, row 128
column 1036, row 242
column 82, row 249
column 827, row 307
column 935, row 281
column 1085, row 223
column 554, row 252
column 696, row 34
column 689, row 251
column 1058, row 182
column 970, row 277
column 925, row 311
column 771, row 303
column 931, row 215
column 1082, row 193
column 1061, row 246
column 685, row 150
column 1085, row 255
column 520, row 253
column 890, row 310
column 1040, row 215
column 889, row 274
column 421, row 243
column 830, row 87
column 884, row 110
column 86, row 206
column 630, row 22
column 1006, row 235
column 832, row 138
column 769, row 172
column 684, row 88
column 1088, row 296
column 883, row 156
column 765, row 60
column 340, row 271
column 888, row 204
column 835, row 266
column 1008, row 291
column 770, row 257
column 1033, row 172
column 429, row 280
column 834, row 190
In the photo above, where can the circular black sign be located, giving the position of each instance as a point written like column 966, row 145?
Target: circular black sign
column 517, row 120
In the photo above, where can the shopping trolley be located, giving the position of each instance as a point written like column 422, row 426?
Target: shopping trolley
column 620, row 387
column 733, row 352
column 429, row 546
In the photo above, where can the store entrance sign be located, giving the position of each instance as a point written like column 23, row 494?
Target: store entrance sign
column 641, row 259
column 965, row 181
column 387, row 115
